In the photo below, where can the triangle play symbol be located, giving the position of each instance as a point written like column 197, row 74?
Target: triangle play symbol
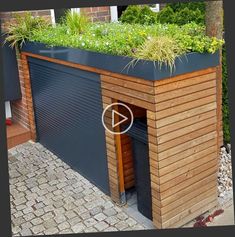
column 124, row 118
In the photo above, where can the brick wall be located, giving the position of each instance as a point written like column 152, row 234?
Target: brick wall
column 20, row 108
column 9, row 17
column 98, row 13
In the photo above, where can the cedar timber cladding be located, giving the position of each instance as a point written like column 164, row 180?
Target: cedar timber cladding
column 182, row 117
column 184, row 128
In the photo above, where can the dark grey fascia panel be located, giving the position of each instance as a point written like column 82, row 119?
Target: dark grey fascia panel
column 118, row 64
column 12, row 89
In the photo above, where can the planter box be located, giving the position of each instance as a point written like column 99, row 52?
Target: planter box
column 10, row 74
column 71, row 87
column 118, row 64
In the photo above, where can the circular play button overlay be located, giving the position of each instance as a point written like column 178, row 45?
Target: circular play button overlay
column 117, row 118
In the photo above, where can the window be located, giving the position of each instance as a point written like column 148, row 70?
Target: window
column 155, row 7
column 58, row 14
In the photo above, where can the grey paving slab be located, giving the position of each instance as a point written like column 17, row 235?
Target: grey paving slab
column 48, row 197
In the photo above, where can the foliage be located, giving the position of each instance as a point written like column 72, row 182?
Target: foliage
column 137, row 14
column 76, row 22
column 21, row 30
column 161, row 49
column 226, row 126
column 183, row 13
column 166, row 15
column 176, row 7
column 124, row 39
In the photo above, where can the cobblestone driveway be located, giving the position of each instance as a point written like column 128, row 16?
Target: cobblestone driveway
column 48, row 197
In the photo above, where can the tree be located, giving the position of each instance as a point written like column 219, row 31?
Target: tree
column 214, row 28
column 214, row 18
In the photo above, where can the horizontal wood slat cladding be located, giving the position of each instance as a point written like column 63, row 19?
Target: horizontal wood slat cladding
column 186, row 90
column 186, row 122
column 184, row 132
column 182, row 118
column 128, row 165
column 183, row 137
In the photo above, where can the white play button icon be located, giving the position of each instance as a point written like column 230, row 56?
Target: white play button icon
column 114, row 114
column 117, row 118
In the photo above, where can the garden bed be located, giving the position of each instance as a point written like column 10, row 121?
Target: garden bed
column 145, row 69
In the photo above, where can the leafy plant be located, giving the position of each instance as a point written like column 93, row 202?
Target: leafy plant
column 124, row 39
column 138, row 15
column 166, row 15
column 225, row 108
column 161, row 50
column 187, row 15
column 176, row 7
column 21, row 30
column 182, row 13
column 76, row 22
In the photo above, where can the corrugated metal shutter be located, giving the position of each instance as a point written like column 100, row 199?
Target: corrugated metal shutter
column 68, row 110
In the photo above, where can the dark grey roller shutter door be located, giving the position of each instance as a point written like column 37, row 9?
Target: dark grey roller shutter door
column 68, row 110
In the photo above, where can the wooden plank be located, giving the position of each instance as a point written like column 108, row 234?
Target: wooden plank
column 106, row 100
column 186, row 114
column 185, row 122
column 113, row 176
column 151, row 115
column 112, row 167
column 192, row 171
column 185, row 130
column 130, row 100
column 188, row 144
column 183, row 99
column 128, row 172
column 151, row 123
column 130, row 178
column 193, row 212
column 153, row 163
column 176, row 174
column 111, row 154
column 185, row 91
column 187, row 201
column 192, row 151
column 129, row 84
column 168, row 212
column 183, row 181
column 186, row 137
column 196, row 183
column 110, row 141
column 129, row 92
column 185, row 161
column 185, row 107
column 185, row 76
column 152, row 131
column 178, row 197
column 128, row 166
column 111, row 147
column 152, row 139
column 184, row 83
column 197, row 213
column 119, row 154
column 129, row 185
